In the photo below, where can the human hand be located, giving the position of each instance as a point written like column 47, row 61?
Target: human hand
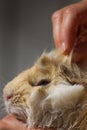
column 11, row 123
column 70, row 28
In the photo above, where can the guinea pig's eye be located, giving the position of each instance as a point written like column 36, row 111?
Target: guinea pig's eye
column 43, row 82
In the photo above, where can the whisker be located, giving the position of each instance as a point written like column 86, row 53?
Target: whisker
column 23, row 91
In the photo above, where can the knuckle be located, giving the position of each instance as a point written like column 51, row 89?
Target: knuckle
column 56, row 15
column 71, row 10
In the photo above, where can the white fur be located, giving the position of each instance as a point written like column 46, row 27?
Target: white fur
column 64, row 95
column 61, row 98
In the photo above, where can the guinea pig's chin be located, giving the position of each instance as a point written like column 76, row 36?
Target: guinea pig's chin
column 21, row 116
column 18, row 111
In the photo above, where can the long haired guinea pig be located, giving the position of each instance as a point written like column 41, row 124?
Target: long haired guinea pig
column 51, row 94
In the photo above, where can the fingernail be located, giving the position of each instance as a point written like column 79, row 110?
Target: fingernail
column 63, row 47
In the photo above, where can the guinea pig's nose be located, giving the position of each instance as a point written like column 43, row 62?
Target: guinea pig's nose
column 8, row 97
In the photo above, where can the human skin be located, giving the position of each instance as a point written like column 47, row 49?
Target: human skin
column 69, row 30
column 11, row 123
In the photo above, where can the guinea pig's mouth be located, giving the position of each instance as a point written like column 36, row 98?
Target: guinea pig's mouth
column 19, row 112
column 21, row 116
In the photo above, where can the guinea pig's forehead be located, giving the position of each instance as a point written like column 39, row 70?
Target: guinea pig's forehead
column 38, row 74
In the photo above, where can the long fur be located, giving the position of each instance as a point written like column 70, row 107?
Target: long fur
column 51, row 94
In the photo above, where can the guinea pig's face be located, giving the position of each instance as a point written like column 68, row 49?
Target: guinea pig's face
column 48, row 85
column 30, row 85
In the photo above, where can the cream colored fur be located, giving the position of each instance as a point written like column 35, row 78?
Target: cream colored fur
column 52, row 93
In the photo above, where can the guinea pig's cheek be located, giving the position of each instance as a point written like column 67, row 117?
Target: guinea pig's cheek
column 25, row 101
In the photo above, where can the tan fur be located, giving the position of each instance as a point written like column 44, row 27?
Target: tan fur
column 30, row 94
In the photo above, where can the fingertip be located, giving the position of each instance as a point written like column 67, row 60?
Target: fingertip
column 65, row 48
column 64, row 30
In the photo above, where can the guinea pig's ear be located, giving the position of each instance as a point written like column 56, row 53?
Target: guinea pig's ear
column 49, row 59
column 44, row 60
column 73, row 74
column 67, row 74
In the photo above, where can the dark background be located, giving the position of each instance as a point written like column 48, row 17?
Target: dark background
column 25, row 31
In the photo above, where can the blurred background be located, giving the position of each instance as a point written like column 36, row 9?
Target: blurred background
column 25, row 31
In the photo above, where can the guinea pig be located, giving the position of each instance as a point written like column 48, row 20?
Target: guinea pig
column 50, row 94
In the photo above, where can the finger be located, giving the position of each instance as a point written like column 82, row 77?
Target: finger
column 74, row 15
column 56, row 24
column 11, row 123
column 64, row 28
column 69, row 30
column 80, row 53
column 2, row 126
column 65, row 25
